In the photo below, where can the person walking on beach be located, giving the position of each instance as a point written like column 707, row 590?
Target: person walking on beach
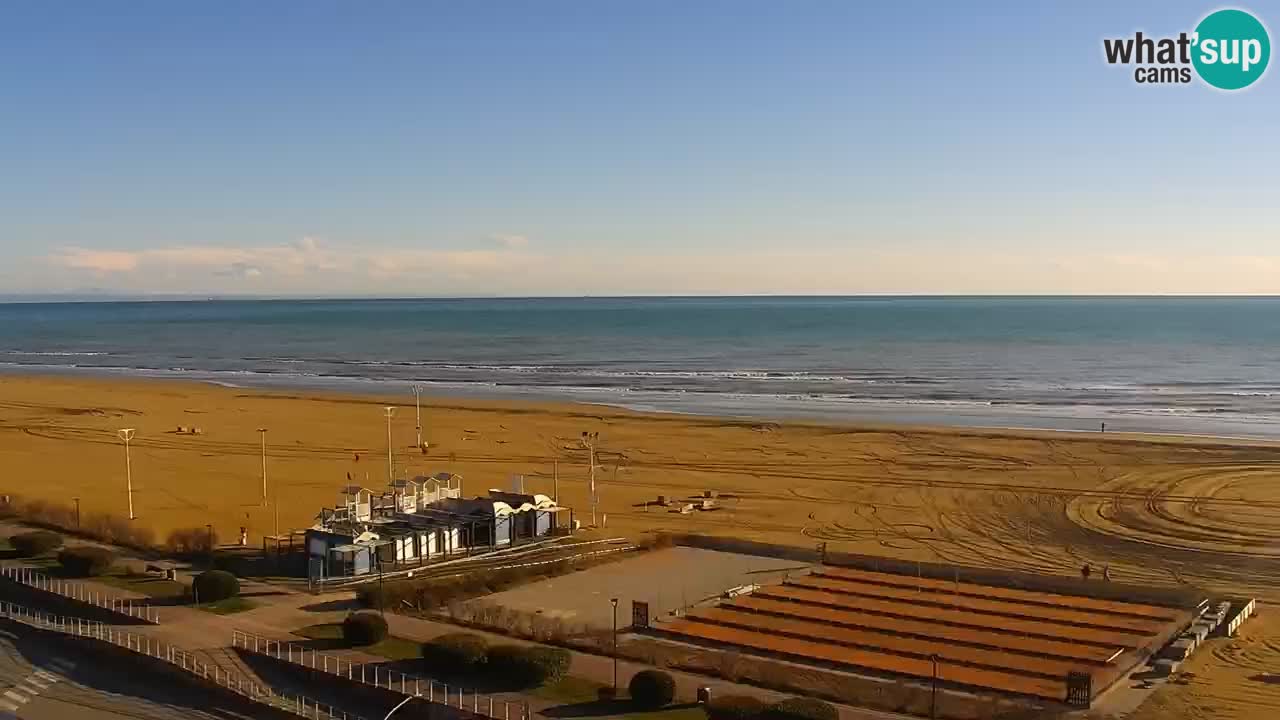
column 1086, row 571
column 1106, row 572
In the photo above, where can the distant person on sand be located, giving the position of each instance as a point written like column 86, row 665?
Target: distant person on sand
column 1106, row 573
column 244, row 536
column 357, row 457
column 1086, row 571
column 1104, row 427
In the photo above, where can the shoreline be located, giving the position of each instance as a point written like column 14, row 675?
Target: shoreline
column 713, row 407
column 373, row 392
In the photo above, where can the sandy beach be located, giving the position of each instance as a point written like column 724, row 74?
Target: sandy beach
column 1160, row 510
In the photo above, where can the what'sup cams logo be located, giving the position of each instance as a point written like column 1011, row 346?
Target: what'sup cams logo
column 1229, row 50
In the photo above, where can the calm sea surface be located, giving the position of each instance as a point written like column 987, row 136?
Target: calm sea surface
column 1193, row 365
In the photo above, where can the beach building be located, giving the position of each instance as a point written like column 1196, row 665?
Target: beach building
column 419, row 521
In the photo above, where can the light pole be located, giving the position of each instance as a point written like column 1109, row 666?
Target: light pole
column 126, row 435
column 390, row 411
column 263, row 432
column 933, row 689
column 417, row 404
column 614, row 602
column 77, row 512
column 589, row 440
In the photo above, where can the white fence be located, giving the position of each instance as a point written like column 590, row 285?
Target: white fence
column 81, row 593
column 151, row 647
column 375, row 675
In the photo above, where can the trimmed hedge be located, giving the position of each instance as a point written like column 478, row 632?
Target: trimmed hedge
column 215, row 585
column 735, row 707
column 86, row 560
column 36, row 542
column 652, row 689
column 527, row 666
column 801, row 708
column 455, row 653
column 364, row 628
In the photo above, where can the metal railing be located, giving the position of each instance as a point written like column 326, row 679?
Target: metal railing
column 81, row 593
column 374, row 675
column 151, row 647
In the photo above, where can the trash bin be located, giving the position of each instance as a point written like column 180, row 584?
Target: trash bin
column 704, row 695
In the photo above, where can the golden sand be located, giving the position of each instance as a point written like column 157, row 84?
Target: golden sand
column 1156, row 510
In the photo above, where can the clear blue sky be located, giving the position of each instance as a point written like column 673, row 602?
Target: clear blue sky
column 609, row 147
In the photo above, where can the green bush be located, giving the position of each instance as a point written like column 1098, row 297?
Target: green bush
column 735, row 707
column 652, row 689
column 37, row 542
column 800, row 708
column 364, row 628
column 455, row 653
column 86, row 561
column 215, row 585
column 527, row 666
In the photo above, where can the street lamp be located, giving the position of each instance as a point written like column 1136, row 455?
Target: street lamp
column 589, row 440
column 126, row 435
column 614, row 602
column 77, row 512
column 417, row 404
column 933, row 689
column 263, row 432
column 390, row 411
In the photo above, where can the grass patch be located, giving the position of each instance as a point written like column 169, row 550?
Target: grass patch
column 149, row 585
column 230, row 606
column 572, row 690
column 569, row 689
column 391, row 648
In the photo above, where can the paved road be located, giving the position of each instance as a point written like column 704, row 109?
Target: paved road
column 38, row 682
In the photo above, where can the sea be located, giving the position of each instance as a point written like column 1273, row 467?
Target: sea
column 1179, row 365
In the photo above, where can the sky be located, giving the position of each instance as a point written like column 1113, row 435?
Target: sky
column 659, row 147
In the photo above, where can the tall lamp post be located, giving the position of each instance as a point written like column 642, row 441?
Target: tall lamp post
column 933, row 689
column 417, row 405
column 390, row 411
column 77, row 512
column 263, row 433
column 589, row 440
column 126, row 435
column 614, row 602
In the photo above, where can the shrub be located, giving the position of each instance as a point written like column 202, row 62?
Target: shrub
column 527, row 666
column 37, row 542
column 735, row 707
column 364, row 628
column 652, row 689
column 800, row 708
column 215, row 585
column 86, row 561
column 459, row 653
column 191, row 541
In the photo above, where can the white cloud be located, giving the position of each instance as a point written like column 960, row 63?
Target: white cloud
column 315, row 267
column 511, row 242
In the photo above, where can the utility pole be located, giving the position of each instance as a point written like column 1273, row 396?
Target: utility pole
column 77, row 512
column 263, row 432
column 589, row 439
column 417, row 404
column 390, row 411
column 555, row 481
column 126, row 435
